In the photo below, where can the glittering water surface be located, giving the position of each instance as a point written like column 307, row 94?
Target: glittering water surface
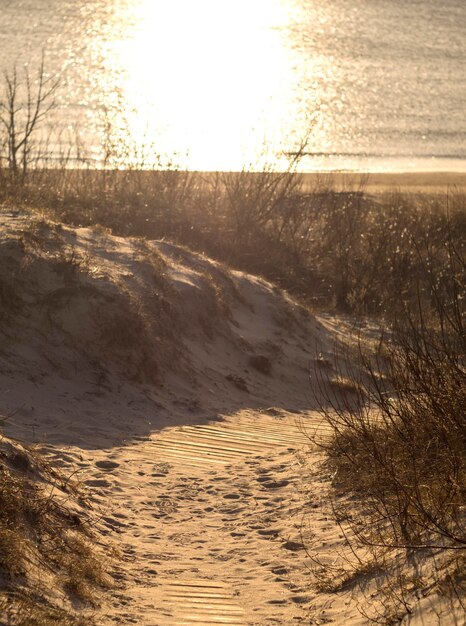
column 379, row 84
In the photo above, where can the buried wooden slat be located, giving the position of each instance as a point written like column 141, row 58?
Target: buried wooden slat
column 226, row 443
column 201, row 454
column 198, row 444
column 245, row 435
column 198, row 601
column 264, row 436
column 231, row 436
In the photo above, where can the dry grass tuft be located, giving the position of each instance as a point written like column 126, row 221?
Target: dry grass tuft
column 40, row 536
column 125, row 336
column 344, row 384
column 26, row 610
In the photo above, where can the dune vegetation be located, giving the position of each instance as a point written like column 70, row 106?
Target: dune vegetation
column 50, row 565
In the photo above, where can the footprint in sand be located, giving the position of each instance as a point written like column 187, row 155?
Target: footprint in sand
column 107, row 465
column 264, row 479
column 268, row 532
column 97, row 482
column 161, row 469
column 113, row 523
column 274, row 484
column 293, row 546
column 120, row 515
column 300, row 599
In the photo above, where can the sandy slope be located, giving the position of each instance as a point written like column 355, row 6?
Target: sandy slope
column 151, row 370
column 146, row 334
column 181, row 394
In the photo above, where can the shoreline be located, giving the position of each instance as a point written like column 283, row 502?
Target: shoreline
column 437, row 182
column 420, row 182
column 383, row 182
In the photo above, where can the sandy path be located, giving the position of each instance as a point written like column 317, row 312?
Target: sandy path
column 208, row 519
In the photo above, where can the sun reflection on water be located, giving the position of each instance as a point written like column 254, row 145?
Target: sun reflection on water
column 209, row 79
column 215, row 78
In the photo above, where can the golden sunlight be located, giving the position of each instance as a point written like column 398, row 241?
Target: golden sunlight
column 213, row 79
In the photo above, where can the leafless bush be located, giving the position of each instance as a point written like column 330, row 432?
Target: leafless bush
column 398, row 450
column 23, row 106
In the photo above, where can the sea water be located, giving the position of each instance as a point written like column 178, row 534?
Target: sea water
column 214, row 84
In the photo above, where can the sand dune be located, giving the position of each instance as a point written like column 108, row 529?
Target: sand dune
column 176, row 389
column 147, row 334
column 181, row 395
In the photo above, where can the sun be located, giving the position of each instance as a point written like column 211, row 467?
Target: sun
column 209, row 78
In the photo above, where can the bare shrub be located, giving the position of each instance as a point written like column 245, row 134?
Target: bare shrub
column 23, row 106
column 398, row 450
column 337, row 248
